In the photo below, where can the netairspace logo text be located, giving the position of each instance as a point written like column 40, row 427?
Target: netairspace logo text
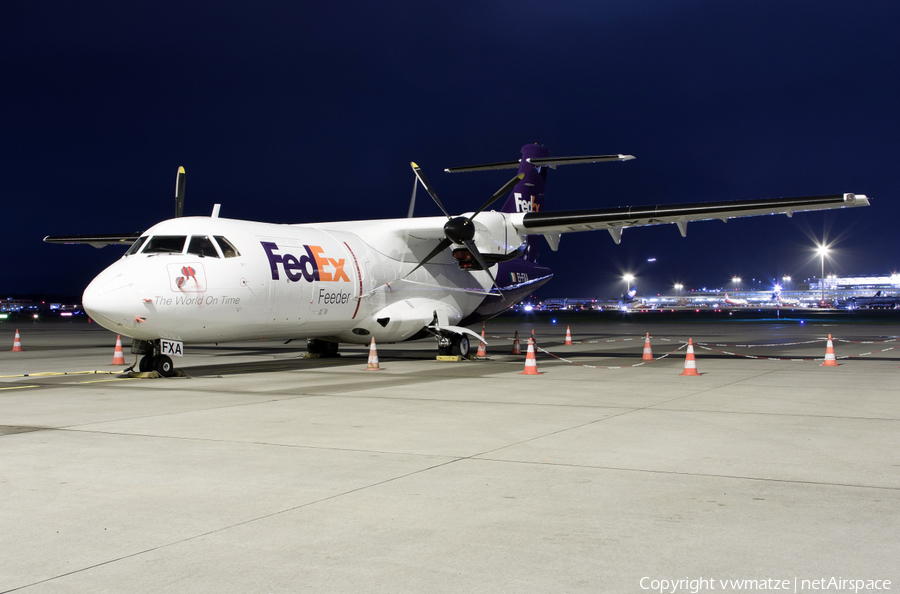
column 796, row 585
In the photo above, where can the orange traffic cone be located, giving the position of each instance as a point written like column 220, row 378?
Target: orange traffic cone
column 516, row 350
column 830, row 360
column 690, row 365
column 568, row 337
column 17, row 343
column 372, row 365
column 530, row 361
column 648, row 354
column 118, row 356
column 482, row 348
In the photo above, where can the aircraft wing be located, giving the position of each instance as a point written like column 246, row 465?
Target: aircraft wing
column 616, row 219
column 98, row 241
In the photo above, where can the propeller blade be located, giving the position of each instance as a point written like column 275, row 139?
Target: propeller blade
column 179, row 193
column 428, row 188
column 502, row 191
column 473, row 249
column 412, row 201
column 444, row 243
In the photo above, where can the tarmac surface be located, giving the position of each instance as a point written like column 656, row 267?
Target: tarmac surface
column 266, row 472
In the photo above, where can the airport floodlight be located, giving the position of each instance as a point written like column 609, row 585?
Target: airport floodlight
column 678, row 287
column 777, row 288
column 735, row 279
column 628, row 278
column 786, row 278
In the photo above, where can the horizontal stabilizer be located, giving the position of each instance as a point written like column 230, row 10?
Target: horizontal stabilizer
column 551, row 162
column 98, row 241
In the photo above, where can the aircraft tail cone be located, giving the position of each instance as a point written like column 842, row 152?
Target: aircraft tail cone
column 118, row 356
column 17, row 343
column 568, row 336
column 530, row 361
column 482, row 348
column 830, row 360
column 690, row 364
column 372, row 365
column 648, row 353
column 516, row 350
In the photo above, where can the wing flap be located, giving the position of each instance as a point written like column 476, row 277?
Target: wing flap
column 640, row 216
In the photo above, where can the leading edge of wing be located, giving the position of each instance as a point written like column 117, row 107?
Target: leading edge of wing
column 97, row 241
column 639, row 216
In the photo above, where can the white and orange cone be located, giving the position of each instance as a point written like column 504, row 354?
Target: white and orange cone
column 516, row 350
column 690, row 364
column 482, row 348
column 648, row 353
column 530, row 361
column 118, row 356
column 830, row 360
column 372, row 365
column 568, row 337
column 17, row 343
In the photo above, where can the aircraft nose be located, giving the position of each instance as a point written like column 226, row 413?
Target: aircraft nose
column 106, row 300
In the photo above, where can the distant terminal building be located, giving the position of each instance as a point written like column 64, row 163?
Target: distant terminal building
column 856, row 284
column 834, row 290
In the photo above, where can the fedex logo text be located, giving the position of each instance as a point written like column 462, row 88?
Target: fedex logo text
column 312, row 266
column 526, row 205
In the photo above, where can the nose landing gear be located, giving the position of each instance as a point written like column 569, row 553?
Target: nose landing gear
column 152, row 360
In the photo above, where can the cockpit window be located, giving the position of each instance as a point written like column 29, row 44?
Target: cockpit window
column 228, row 249
column 165, row 244
column 136, row 245
column 202, row 246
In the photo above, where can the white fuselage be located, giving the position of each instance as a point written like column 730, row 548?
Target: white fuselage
column 288, row 281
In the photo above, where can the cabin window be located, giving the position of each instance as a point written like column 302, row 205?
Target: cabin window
column 136, row 245
column 228, row 249
column 165, row 244
column 202, row 246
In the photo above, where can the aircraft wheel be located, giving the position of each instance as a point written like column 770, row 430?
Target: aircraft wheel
column 146, row 363
column 163, row 365
column 461, row 346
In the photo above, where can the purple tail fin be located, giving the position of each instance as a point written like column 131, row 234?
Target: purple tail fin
column 528, row 194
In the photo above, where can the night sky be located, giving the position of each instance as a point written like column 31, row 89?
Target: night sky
column 309, row 112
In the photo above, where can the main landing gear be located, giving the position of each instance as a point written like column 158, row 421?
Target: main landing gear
column 458, row 344
column 152, row 360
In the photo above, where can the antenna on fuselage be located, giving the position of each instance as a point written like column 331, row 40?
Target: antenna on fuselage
column 179, row 193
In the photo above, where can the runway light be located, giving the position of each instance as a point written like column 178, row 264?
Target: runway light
column 554, row 321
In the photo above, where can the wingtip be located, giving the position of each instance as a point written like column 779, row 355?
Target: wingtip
column 180, row 169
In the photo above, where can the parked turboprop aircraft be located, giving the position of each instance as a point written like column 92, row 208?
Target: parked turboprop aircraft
column 211, row 279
